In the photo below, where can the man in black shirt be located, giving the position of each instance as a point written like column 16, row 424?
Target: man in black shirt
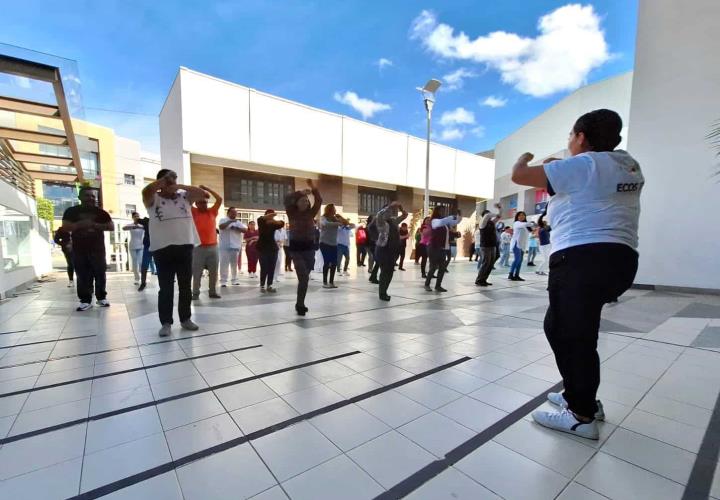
column 87, row 223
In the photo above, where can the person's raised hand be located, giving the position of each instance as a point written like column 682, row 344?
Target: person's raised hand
column 526, row 158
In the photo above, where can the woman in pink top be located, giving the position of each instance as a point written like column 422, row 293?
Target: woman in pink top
column 426, row 234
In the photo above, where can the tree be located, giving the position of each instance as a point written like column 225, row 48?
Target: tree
column 45, row 209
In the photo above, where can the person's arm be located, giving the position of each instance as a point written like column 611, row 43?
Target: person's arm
column 401, row 216
column 317, row 199
column 486, row 218
column 193, row 193
column 447, row 221
column 148, row 192
column 105, row 223
column 525, row 175
column 128, row 227
column 218, row 198
column 225, row 222
column 239, row 227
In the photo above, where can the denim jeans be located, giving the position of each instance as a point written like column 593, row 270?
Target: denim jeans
column 343, row 251
column 505, row 254
column 517, row 261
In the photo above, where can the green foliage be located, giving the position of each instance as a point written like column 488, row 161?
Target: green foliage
column 45, row 209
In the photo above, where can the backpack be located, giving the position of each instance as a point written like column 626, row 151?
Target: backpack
column 361, row 237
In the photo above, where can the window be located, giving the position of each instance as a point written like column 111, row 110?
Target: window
column 371, row 200
column 447, row 203
column 62, row 195
column 129, row 209
column 509, row 206
column 15, row 239
column 254, row 190
column 129, row 179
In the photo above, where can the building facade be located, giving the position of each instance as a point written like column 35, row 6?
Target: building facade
column 253, row 148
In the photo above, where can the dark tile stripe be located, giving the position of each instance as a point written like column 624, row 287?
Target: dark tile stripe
column 169, row 466
column 48, row 341
column 100, row 416
column 129, row 370
column 14, row 331
column 414, row 481
column 701, row 476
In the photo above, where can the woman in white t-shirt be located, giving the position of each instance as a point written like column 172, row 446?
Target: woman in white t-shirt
column 135, row 245
column 595, row 208
column 518, row 244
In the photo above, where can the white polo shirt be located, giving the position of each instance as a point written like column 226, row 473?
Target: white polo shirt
column 595, row 199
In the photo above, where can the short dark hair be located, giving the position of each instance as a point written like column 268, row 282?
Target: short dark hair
column 162, row 173
column 134, row 214
column 601, row 128
column 85, row 188
column 230, row 208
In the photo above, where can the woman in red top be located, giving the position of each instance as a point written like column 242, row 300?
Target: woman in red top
column 361, row 237
column 251, row 239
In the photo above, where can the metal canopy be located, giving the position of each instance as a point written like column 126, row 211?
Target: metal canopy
column 58, row 111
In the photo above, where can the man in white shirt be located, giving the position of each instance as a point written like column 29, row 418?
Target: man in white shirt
column 135, row 245
column 595, row 207
column 172, row 239
column 231, row 241
column 439, row 246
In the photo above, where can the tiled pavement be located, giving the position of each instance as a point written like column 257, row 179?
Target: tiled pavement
column 226, row 412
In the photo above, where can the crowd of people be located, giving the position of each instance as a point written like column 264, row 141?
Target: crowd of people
column 592, row 259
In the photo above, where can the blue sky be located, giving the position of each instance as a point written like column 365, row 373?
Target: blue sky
column 326, row 54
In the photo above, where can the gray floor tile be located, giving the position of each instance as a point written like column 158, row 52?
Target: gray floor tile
column 234, row 473
column 58, row 481
column 122, row 428
column 162, row 487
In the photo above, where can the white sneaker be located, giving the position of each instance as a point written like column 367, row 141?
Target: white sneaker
column 71, row 284
column 558, row 400
column 262, row 289
column 165, row 330
column 103, row 303
column 271, row 290
column 235, row 282
column 84, row 306
column 325, row 285
column 565, row 421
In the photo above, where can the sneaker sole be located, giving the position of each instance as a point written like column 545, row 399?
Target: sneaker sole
column 568, row 431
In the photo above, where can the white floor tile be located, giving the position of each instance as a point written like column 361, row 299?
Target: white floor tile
column 390, row 458
column 234, row 473
column 187, row 410
column 274, row 493
column 500, row 397
column 663, row 429
column 336, row 478
column 245, row 394
column 312, row 398
column 349, row 426
column 620, row 480
column 436, row 433
column 511, row 475
column 122, row 428
column 46, row 417
column 393, row 408
column 112, row 464
column 117, row 400
column 452, row 485
column 295, row 449
column 472, row 413
column 162, row 487
column 428, row 393
column 575, row 491
column 200, row 435
column 292, row 381
column 262, row 415
column 353, row 385
column 57, row 481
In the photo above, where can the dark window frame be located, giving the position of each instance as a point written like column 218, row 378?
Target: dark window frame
column 371, row 200
column 254, row 190
column 127, row 177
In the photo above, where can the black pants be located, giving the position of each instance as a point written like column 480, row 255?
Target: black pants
column 174, row 261
column 385, row 261
column 268, row 261
column 487, row 254
column 438, row 261
column 423, row 258
column 90, row 271
column 69, row 262
column 288, row 259
column 374, row 264
column 582, row 280
column 401, row 253
column 361, row 254
column 304, row 261
column 371, row 256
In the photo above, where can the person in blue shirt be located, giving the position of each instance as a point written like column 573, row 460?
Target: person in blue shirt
column 594, row 209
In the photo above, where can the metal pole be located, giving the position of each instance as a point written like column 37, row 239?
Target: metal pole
column 426, row 202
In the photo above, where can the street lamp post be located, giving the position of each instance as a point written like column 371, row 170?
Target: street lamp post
column 428, row 93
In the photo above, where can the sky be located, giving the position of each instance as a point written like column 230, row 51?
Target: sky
column 501, row 63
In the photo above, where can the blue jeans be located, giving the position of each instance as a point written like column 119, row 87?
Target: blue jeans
column 343, row 251
column 505, row 255
column 517, row 261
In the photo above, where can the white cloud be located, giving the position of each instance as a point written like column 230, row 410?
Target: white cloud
column 458, row 116
column 365, row 107
column 494, row 102
column 570, row 44
column 383, row 62
column 456, row 79
column 478, row 131
column 21, row 81
column 452, row 134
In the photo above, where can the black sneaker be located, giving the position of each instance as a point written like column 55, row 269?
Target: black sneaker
column 530, row 264
column 141, row 287
column 440, row 289
column 385, row 297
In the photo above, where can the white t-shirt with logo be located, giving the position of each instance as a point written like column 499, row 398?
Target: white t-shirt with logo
column 171, row 222
column 230, row 238
column 596, row 199
column 520, row 235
